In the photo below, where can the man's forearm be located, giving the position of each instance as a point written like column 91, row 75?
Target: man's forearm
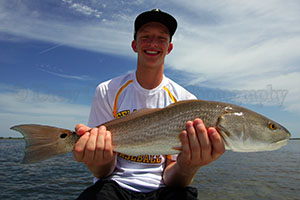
column 174, row 176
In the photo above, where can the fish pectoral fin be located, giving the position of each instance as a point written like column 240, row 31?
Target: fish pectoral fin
column 231, row 126
column 231, row 123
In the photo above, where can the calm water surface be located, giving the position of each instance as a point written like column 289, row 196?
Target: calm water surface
column 265, row 175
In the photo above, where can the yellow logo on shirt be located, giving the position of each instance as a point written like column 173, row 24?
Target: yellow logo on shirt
column 123, row 113
column 153, row 159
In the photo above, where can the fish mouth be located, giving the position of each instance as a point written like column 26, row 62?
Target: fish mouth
column 278, row 144
column 283, row 140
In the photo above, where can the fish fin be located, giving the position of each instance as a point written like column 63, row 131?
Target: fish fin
column 43, row 142
column 231, row 127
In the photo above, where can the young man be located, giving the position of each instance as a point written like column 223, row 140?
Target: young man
column 150, row 176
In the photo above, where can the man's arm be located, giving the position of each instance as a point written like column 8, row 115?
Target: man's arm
column 94, row 148
column 199, row 147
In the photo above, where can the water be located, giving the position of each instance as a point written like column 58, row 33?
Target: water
column 263, row 175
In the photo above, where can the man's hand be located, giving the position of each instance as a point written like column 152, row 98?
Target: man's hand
column 200, row 146
column 94, row 148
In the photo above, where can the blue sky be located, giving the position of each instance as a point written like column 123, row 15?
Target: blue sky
column 53, row 53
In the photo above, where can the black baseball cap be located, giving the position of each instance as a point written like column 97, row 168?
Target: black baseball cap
column 155, row 15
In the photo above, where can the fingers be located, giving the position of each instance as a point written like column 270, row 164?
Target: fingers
column 94, row 147
column 100, row 143
column 191, row 147
column 204, row 141
column 79, row 147
column 193, row 140
column 217, row 143
column 104, row 147
column 200, row 146
column 185, row 152
column 89, row 153
column 108, row 149
column 82, row 129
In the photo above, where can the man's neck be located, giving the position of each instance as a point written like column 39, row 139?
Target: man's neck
column 149, row 78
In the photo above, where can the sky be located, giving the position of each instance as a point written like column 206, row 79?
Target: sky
column 53, row 54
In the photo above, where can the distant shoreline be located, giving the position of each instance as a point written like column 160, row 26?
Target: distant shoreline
column 20, row 138
column 11, row 138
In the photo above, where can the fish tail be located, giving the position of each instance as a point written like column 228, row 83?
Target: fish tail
column 43, row 142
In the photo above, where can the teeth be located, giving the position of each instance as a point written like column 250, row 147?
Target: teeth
column 152, row 52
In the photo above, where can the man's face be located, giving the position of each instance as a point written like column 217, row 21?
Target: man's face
column 152, row 44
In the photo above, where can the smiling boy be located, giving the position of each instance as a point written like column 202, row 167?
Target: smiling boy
column 119, row 176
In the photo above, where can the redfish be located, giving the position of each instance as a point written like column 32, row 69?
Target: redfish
column 156, row 131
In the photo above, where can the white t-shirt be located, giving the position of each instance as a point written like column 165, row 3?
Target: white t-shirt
column 121, row 96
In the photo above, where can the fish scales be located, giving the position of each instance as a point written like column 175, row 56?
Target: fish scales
column 161, row 129
column 156, row 131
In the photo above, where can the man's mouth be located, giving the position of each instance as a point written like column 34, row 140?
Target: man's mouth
column 151, row 52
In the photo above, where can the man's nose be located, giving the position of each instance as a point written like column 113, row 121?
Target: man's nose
column 153, row 40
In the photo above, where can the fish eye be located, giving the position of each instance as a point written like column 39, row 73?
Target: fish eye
column 272, row 126
column 63, row 135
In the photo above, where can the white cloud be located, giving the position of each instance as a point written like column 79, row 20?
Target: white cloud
column 19, row 106
column 83, row 9
column 63, row 75
column 242, row 46
column 234, row 45
column 79, row 34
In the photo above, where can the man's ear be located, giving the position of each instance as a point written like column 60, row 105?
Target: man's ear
column 133, row 46
column 170, row 47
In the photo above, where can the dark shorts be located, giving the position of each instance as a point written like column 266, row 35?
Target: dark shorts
column 110, row 190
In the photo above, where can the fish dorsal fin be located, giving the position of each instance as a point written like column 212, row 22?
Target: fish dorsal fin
column 137, row 114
